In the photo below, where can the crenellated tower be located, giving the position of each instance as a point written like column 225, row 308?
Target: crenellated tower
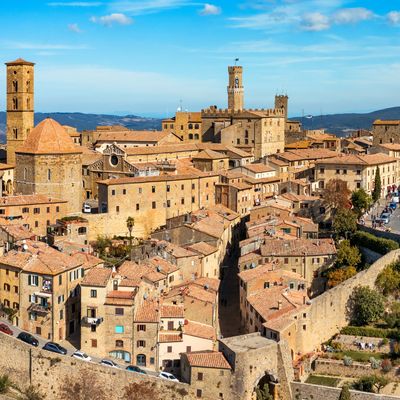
column 20, row 97
column 281, row 103
column 235, row 88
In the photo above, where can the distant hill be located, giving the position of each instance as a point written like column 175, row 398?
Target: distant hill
column 338, row 124
column 341, row 123
column 90, row 121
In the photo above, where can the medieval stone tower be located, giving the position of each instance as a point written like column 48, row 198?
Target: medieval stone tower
column 50, row 163
column 235, row 88
column 20, row 81
column 281, row 102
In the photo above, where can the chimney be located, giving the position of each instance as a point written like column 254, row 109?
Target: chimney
column 279, row 304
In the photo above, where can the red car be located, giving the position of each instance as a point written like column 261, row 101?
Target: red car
column 5, row 329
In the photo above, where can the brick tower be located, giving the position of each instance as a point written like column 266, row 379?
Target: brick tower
column 281, row 102
column 20, row 81
column 235, row 88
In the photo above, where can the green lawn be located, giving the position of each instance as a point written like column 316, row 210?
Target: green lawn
column 361, row 356
column 323, row 380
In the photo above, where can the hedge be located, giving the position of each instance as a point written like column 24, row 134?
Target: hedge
column 374, row 243
column 369, row 331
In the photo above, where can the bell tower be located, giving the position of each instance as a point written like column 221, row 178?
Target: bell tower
column 235, row 88
column 20, row 114
column 281, row 102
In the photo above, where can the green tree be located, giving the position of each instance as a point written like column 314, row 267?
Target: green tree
column 345, row 393
column 376, row 193
column 392, row 318
column 344, row 223
column 365, row 305
column 130, row 223
column 5, row 383
column 388, row 281
column 339, row 275
column 347, row 255
column 263, row 393
column 361, row 201
column 336, row 194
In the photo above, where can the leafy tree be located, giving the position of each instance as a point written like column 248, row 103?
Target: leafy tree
column 345, row 393
column 339, row 275
column 361, row 201
column 102, row 243
column 366, row 305
column 388, row 281
column 263, row 393
column 347, row 255
column 130, row 223
column 392, row 318
column 344, row 223
column 336, row 194
column 376, row 193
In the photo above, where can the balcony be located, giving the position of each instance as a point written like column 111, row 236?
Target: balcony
column 92, row 321
column 39, row 308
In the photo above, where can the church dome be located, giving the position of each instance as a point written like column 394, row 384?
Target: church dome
column 49, row 137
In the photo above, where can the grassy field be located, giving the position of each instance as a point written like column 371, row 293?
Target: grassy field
column 323, row 380
column 361, row 356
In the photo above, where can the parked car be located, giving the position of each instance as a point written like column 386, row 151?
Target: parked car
column 167, row 375
column 393, row 205
column 80, row 355
column 385, row 217
column 109, row 363
column 87, row 208
column 55, row 348
column 134, row 368
column 395, row 199
column 6, row 329
column 28, row 338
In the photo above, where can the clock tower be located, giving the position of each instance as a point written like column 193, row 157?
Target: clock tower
column 235, row 88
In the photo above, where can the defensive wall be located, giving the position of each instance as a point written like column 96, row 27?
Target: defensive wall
column 305, row 391
column 328, row 313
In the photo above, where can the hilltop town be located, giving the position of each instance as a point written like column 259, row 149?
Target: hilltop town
column 231, row 254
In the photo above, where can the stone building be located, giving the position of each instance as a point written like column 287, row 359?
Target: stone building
column 186, row 125
column 20, row 105
column 386, row 131
column 49, row 163
column 235, row 88
column 42, row 286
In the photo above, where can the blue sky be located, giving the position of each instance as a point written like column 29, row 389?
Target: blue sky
column 144, row 56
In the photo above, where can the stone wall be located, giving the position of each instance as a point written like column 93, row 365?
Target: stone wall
column 63, row 377
column 329, row 311
column 379, row 233
column 305, row 391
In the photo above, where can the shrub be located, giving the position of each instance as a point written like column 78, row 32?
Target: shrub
column 375, row 364
column 369, row 331
column 4, row 383
column 347, row 361
column 379, row 245
column 31, row 393
column 386, row 365
column 345, row 393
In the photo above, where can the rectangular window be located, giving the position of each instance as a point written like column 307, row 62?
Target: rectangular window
column 36, row 210
column 25, row 210
column 199, row 392
column 188, row 349
column 168, row 203
column 168, row 188
column 119, row 329
column 140, row 190
column 124, row 191
column 141, row 328
column 182, row 187
column 33, row 280
column 169, row 349
column 60, row 279
column 153, row 205
column 94, row 342
column 141, row 343
column 48, row 210
column 137, row 207
column 119, row 311
column 57, row 209
column 117, row 208
column 61, row 314
column 113, row 192
column 153, row 189
column 193, row 199
column 93, row 293
column 182, row 201
column 199, row 376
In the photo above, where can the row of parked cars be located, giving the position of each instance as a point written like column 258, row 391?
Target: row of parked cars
column 80, row 355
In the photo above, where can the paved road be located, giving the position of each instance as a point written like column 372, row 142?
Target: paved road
column 69, row 347
column 394, row 223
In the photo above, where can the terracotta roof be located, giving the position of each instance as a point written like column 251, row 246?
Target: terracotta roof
column 391, row 146
column 177, row 251
column 147, row 311
column 299, row 247
column 49, row 137
column 28, row 199
column 196, row 329
column 98, row 276
column 210, row 283
column 305, row 154
column 207, row 359
column 88, row 261
column 133, row 273
column 164, row 266
column 202, row 248
column 353, row 159
column 120, row 298
column 17, row 231
column 20, row 61
column 209, row 155
column 172, row 311
column 169, row 337
column 258, row 168
column 269, row 273
column 241, row 153
column 4, row 166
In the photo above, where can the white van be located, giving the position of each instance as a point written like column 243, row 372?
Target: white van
column 87, row 208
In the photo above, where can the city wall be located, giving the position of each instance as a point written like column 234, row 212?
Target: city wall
column 64, row 377
column 304, row 391
column 328, row 313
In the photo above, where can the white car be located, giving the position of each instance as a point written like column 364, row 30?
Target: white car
column 167, row 375
column 87, row 208
column 80, row 355
column 109, row 363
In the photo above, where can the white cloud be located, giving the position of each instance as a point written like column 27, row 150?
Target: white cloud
column 110, row 20
column 74, row 28
column 352, row 15
column 315, row 22
column 394, row 17
column 149, row 6
column 76, row 4
column 210, row 9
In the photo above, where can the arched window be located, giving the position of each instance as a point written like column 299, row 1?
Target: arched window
column 190, row 126
column 6, row 287
column 196, row 126
column 82, row 230
column 15, row 86
column 141, row 360
column 190, row 135
column 28, row 103
column 28, row 86
column 15, row 132
column 15, row 103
